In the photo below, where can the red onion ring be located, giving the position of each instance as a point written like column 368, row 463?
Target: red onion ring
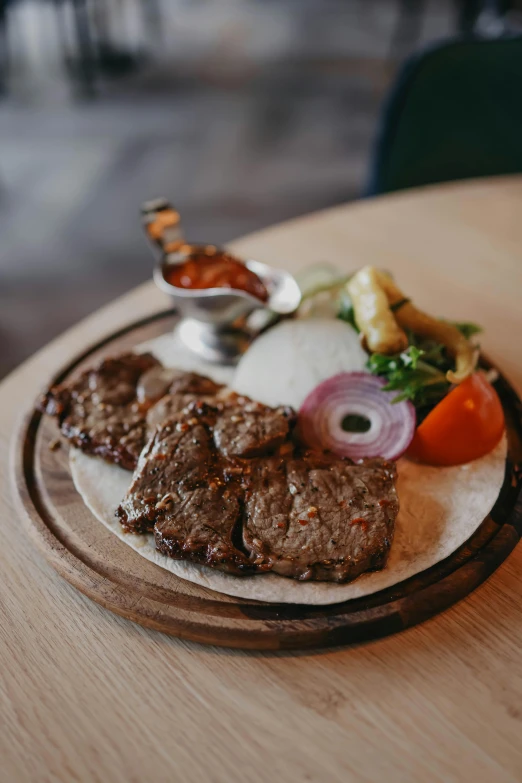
column 392, row 426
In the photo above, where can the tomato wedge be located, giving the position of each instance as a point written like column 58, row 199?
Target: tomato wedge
column 464, row 426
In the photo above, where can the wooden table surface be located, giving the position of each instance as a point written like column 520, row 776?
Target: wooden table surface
column 88, row 696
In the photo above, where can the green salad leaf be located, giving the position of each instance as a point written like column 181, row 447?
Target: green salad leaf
column 467, row 328
column 411, row 374
column 417, row 374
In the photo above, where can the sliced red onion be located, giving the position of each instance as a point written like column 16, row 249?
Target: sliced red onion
column 356, row 394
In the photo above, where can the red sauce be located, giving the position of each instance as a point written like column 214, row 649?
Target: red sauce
column 215, row 271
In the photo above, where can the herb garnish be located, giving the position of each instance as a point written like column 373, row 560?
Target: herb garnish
column 417, row 374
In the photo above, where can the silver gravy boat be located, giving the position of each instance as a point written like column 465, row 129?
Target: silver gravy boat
column 216, row 323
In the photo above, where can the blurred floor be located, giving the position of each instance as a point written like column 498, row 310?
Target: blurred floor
column 243, row 113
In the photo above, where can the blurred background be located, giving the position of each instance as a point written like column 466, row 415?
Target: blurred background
column 241, row 112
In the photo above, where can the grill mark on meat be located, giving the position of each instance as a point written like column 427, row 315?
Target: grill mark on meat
column 237, row 530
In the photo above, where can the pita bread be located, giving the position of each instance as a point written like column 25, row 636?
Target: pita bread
column 440, row 509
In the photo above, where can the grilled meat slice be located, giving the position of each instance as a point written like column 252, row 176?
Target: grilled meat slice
column 99, row 412
column 245, row 428
column 185, row 388
column 221, row 481
column 317, row 517
column 179, row 454
column 183, row 490
column 200, row 527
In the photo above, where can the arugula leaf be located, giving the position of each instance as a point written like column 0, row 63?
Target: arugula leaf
column 417, row 374
column 467, row 328
column 412, row 375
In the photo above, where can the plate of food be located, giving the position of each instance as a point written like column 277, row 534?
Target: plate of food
column 275, row 463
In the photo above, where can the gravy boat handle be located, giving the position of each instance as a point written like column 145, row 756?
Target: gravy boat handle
column 162, row 224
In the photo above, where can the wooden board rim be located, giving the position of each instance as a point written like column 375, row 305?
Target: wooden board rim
column 274, row 626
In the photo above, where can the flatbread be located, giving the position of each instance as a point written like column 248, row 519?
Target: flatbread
column 171, row 352
column 440, row 509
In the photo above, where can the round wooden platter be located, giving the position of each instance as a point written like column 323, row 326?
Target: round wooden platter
column 91, row 558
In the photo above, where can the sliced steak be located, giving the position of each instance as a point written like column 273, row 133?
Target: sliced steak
column 221, row 482
column 194, row 384
column 201, row 527
column 317, row 517
column 185, row 388
column 184, row 491
column 99, row 412
column 245, row 428
column 302, row 515
column 180, row 453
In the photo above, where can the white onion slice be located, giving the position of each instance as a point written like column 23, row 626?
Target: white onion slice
column 321, row 416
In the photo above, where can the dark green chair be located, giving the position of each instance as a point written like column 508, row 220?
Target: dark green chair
column 455, row 112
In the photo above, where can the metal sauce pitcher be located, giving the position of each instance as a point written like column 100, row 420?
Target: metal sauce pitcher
column 216, row 323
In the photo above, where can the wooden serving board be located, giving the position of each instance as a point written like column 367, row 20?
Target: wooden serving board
column 91, row 558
